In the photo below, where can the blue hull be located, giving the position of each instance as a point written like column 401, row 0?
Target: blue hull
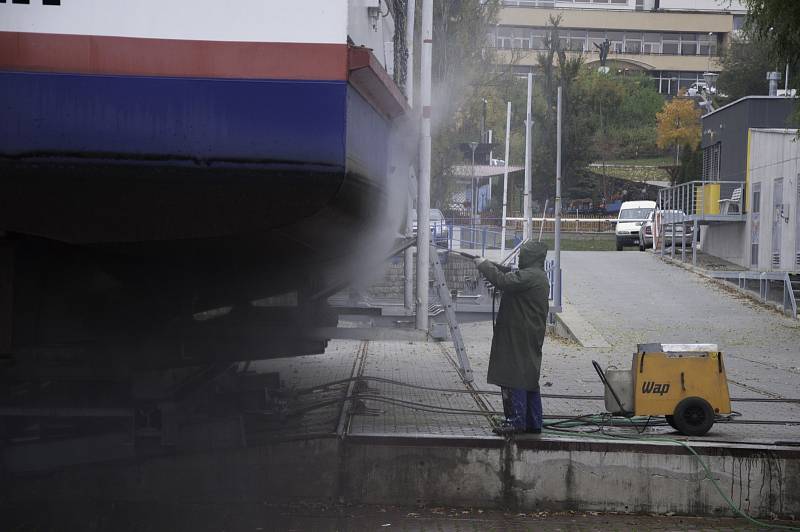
column 150, row 146
column 198, row 119
column 220, row 180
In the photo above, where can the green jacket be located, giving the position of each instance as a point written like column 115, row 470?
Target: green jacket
column 516, row 356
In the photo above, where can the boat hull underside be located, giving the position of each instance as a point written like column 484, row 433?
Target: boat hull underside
column 133, row 202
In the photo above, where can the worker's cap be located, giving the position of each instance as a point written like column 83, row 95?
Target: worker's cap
column 532, row 254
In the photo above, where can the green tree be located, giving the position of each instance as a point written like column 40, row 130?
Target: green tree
column 625, row 110
column 691, row 164
column 776, row 23
column 578, row 126
column 744, row 67
column 462, row 65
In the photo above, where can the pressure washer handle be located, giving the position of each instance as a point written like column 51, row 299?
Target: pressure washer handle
column 467, row 255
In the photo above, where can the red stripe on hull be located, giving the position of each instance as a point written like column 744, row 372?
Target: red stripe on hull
column 91, row 54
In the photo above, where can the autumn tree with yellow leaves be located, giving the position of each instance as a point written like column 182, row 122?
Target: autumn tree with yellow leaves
column 678, row 125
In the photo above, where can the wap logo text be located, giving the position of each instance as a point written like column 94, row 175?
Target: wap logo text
column 653, row 387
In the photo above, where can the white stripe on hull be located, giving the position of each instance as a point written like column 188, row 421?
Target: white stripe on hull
column 291, row 21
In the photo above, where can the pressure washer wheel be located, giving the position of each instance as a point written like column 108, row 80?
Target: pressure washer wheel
column 693, row 416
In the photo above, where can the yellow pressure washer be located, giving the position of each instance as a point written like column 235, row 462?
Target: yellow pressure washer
column 686, row 383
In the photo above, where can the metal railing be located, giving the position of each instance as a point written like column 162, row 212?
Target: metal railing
column 788, row 295
column 702, row 199
column 765, row 290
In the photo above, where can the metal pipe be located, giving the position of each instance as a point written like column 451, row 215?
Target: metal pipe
column 557, row 284
column 408, row 254
column 773, row 78
column 786, row 83
column 526, row 195
column 411, row 10
column 544, row 214
column 505, row 181
column 672, row 241
column 424, row 187
column 683, row 241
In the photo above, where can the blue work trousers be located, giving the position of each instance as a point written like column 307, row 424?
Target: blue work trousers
column 522, row 408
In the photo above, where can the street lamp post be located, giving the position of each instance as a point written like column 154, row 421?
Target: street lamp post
column 473, row 193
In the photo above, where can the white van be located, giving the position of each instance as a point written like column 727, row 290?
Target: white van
column 631, row 216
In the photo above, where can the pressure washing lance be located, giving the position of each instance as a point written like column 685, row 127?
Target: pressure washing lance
column 473, row 257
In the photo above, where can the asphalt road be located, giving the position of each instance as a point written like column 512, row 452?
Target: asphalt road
column 635, row 298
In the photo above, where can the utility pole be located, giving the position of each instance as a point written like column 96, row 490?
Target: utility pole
column 424, row 188
column 411, row 10
column 473, row 194
column 505, row 183
column 557, row 266
column 526, row 196
column 408, row 254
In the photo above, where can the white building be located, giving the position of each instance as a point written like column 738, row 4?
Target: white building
column 772, row 240
column 672, row 41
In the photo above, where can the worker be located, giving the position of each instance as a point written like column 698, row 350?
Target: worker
column 516, row 356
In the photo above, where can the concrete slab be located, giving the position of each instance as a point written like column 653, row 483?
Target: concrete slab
column 570, row 324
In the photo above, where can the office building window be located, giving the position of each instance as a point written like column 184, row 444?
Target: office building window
column 577, row 40
column 689, row 44
column 630, row 42
column 529, row 3
column 537, row 39
column 706, row 44
column 633, row 43
column 671, row 44
column 595, row 37
column 652, row 43
column 616, row 38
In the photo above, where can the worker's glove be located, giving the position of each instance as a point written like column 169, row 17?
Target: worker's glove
column 478, row 261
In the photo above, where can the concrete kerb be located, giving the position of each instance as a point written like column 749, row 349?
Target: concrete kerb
column 724, row 284
column 571, row 325
column 584, row 474
column 526, row 474
column 570, row 474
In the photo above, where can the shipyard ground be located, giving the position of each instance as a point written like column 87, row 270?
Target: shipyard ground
column 391, row 423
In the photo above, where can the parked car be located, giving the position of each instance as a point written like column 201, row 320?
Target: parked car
column 669, row 217
column 440, row 231
column 632, row 215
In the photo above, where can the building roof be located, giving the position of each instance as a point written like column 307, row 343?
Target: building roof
column 784, row 131
column 754, row 97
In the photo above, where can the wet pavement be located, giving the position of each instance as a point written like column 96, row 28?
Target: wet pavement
column 628, row 298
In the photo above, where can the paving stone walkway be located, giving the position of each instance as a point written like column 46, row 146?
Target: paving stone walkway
column 628, row 298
